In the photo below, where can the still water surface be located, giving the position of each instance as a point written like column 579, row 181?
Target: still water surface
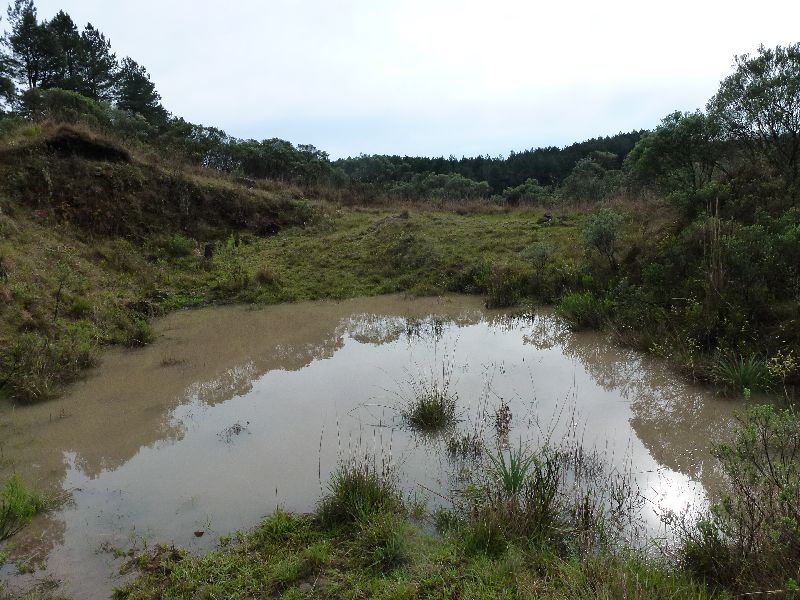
column 234, row 411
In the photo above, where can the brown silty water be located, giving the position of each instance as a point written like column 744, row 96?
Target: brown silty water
column 234, row 411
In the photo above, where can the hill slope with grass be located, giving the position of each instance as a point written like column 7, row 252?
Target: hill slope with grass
column 87, row 228
column 98, row 238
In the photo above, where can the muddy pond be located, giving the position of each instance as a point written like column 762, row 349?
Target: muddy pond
column 234, row 411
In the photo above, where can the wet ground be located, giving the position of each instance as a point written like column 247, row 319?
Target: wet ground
column 234, row 411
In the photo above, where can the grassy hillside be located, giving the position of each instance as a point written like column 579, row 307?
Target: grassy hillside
column 97, row 240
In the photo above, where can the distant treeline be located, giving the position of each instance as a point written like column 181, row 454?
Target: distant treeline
column 745, row 146
column 548, row 166
column 53, row 69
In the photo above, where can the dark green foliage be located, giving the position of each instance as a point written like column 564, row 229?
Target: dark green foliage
column 133, row 332
column 741, row 374
column 759, row 106
column 440, row 186
column 64, row 60
column 505, row 286
column 136, row 93
column 680, row 158
column 603, row 234
column 548, row 166
column 590, row 181
column 62, row 105
column 36, row 367
column 97, row 66
column 27, row 42
column 528, row 192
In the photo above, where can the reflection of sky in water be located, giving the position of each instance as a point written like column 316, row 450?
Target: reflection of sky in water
column 343, row 399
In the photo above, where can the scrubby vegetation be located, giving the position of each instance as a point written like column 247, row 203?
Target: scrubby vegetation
column 544, row 523
column 683, row 241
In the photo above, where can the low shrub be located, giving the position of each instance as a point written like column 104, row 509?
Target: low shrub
column 505, row 286
column 583, row 310
column 133, row 332
column 750, row 540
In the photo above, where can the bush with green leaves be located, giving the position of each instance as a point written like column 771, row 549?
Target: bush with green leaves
column 602, row 234
column 505, row 286
column 750, row 541
column 529, row 192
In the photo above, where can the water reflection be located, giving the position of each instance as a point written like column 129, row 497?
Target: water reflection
column 141, row 445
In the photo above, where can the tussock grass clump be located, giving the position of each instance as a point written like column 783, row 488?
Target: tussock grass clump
column 18, row 506
column 520, row 498
column 133, row 332
column 38, row 366
column 356, row 490
column 433, row 410
column 559, row 499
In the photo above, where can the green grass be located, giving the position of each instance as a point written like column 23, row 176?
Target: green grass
column 583, row 310
column 431, row 411
column 18, row 506
column 386, row 556
column 55, row 279
column 356, row 491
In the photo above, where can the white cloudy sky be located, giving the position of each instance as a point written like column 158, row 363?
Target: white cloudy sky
column 434, row 77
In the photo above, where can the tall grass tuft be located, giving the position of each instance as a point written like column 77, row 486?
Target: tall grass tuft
column 518, row 499
column 18, row 506
column 357, row 490
column 512, row 472
column 432, row 410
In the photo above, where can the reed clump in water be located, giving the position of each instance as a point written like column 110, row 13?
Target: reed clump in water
column 433, row 410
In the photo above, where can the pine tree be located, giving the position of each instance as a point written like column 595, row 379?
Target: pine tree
column 136, row 93
column 63, row 49
column 27, row 42
column 97, row 65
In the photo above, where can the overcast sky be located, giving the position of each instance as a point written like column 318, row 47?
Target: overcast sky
column 428, row 77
